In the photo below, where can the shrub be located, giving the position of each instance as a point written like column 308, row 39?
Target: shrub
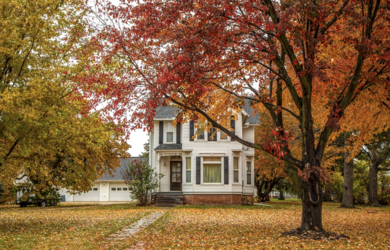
column 142, row 180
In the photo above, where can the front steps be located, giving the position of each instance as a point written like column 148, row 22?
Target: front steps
column 169, row 199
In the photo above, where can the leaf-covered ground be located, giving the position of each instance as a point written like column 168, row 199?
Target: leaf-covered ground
column 198, row 227
column 261, row 228
column 63, row 228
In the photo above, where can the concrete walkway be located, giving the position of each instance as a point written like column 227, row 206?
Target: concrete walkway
column 135, row 227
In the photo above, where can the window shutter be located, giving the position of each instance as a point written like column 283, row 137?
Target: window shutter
column 197, row 170
column 226, row 169
column 191, row 130
column 178, row 133
column 161, row 133
column 233, row 125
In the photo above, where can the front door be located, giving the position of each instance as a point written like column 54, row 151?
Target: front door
column 176, row 175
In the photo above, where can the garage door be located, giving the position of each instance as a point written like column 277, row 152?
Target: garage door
column 119, row 192
column 91, row 195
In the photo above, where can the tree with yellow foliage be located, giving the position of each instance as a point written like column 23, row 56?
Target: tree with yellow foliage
column 48, row 135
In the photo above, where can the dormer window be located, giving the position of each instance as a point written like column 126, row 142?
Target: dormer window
column 169, row 132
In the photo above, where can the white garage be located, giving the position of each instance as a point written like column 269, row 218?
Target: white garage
column 92, row 195
column 119, row 192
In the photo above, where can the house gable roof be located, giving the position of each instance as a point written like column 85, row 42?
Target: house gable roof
column 168, row 112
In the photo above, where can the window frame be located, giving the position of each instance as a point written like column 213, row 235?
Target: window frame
column 212, row 162
column 113, row 189
column 166, row 132
column 236, row 170
column 125, row 189
column 249, row 173
column 95, row 189
column 188, row 170
column 221, row 134
column 200, row 126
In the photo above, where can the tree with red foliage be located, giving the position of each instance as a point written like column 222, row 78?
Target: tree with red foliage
column 207, row 57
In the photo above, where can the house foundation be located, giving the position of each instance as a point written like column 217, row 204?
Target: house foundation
column 212, row 199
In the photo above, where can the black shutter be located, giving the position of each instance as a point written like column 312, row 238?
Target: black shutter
column 191, row 130
column 161, row 133
column 197, row 170
column 178, row 133
column 226, row 169
column 233, row 125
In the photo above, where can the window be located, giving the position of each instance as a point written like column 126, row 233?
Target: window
column 235, row 169
column 95, row 189
column 119, row 189
column 248, row 173
column 113, row 189
column 200, row 132
column 212, row 170
column 188, row 169
column 223, row 135
column 169, row 132
column 124, row 189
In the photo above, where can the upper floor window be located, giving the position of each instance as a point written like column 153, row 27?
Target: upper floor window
column 223, row 135
column 169, row 132
column 200, row 132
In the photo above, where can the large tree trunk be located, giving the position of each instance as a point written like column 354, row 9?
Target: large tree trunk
column 268, row 185
column 281, row 195
column 312, row 206
column 373, row 182
column 347, row 200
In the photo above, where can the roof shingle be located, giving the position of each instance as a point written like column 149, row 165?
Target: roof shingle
column 117, row 175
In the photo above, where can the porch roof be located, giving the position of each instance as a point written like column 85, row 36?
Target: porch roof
column 169, row 146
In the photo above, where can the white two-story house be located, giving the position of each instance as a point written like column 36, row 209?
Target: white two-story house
column 203, row 170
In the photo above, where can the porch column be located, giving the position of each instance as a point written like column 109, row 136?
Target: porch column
column 158, row 170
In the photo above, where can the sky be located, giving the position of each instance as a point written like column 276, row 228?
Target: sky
column 137, row 140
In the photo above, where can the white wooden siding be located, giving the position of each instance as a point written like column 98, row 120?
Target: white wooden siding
column 88, row 196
